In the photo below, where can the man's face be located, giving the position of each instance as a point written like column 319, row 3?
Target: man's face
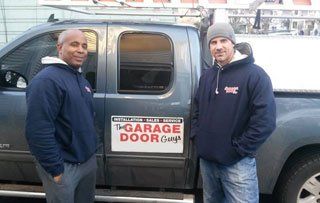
column 73, row 48
column 222, row 50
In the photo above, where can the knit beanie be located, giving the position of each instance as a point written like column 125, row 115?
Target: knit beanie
column 221, row 30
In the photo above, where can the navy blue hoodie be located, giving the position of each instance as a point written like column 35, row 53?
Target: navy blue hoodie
column 234, row 110
column 60, row 118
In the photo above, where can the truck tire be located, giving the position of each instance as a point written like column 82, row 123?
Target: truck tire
column 300, row 182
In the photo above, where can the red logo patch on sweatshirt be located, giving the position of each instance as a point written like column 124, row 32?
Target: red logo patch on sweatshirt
column 231, row 90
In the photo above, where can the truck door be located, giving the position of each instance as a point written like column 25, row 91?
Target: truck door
column 23, row 59
column 147, row 106
column 19, row 61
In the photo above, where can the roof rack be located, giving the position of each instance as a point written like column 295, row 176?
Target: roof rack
column 212, row 10
column 190, row 8
column 127, row 7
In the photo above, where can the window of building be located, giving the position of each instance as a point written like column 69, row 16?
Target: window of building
column 26, row 59
column 146, row 63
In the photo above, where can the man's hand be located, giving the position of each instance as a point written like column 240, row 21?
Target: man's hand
column 57, row 178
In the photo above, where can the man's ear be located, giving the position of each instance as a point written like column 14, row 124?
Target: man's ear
column 59, row 47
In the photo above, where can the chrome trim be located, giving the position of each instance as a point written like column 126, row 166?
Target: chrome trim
column 306, row 91
column 99, row 95
column 9, row 193
column 186, row 198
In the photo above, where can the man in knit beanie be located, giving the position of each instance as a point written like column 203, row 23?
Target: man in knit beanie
column 234, row 113
column 222, row 32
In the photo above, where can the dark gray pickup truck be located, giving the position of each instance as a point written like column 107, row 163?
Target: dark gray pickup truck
column 144, row 77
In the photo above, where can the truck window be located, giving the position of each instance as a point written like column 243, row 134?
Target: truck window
column 146, row 63
column 26, row 58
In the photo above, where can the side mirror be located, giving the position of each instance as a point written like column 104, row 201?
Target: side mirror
column 9, row 78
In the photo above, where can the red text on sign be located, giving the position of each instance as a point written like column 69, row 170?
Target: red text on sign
column 133, row 137
column 148, row 128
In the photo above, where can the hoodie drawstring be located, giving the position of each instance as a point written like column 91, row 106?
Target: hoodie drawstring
column 217, row 78
column 217, row 85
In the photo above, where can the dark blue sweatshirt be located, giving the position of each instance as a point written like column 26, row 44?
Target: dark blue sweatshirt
column 60, row 118
column 234, row 111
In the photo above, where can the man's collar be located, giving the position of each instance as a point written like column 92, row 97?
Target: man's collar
column 54, row 60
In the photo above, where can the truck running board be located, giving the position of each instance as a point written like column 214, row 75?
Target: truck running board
column 103, row 195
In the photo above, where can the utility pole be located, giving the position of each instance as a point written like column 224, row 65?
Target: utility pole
column 4, row 19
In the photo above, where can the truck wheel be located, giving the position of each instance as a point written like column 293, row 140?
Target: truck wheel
column 300, row 183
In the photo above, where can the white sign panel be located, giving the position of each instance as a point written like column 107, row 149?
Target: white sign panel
column 147, row 134
column 288, row 67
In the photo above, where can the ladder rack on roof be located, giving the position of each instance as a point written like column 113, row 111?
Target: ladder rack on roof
column 193, row 8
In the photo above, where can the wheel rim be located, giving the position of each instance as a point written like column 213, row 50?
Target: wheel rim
column 310, row 190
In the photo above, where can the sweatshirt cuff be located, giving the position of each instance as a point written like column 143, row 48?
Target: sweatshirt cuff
column 56, row 170
column 238, row 148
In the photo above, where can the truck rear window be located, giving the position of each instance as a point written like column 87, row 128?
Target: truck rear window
column 146, row 63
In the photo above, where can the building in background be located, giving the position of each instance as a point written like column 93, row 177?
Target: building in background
column 289, row 17
column 17, row 16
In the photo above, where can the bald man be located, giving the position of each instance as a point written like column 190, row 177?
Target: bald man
column 60, row 123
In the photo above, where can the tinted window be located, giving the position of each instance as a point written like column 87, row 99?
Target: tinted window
column 146, row 63
column 26, row 59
